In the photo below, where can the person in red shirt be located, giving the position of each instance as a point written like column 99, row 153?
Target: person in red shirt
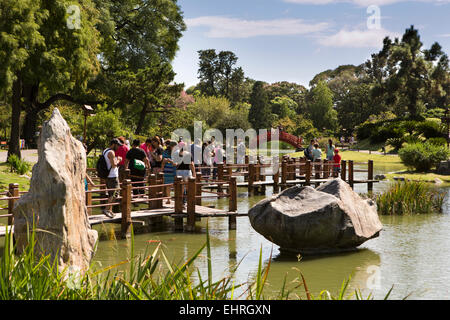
column 122, row 152
column 337, row 163
column 147, row 147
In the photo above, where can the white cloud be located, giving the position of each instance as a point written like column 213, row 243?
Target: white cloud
column 223, row 27
column 357, row 38
column 362, row 3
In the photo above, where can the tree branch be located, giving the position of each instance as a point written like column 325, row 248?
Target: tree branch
column 62, row 96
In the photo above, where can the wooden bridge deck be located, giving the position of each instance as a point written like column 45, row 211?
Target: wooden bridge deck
column 167, row 210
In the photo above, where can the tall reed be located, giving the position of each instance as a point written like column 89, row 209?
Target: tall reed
column 31, row 277
column 410, row 197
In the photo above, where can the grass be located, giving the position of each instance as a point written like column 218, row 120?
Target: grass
column 428, row 177
column 367, row 145
column 408, row 198
column 362, row 157
column 7, row 177
column 149, row 277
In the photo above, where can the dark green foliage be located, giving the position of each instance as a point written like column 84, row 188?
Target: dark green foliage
column 423, row 156
column 260, row 115
column 430, row 129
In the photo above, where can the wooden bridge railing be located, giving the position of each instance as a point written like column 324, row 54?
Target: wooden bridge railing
column 153, row 191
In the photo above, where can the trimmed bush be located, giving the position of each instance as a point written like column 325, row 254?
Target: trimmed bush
column 423, row 156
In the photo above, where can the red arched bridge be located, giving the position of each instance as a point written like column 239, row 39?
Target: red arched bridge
column 294, row 141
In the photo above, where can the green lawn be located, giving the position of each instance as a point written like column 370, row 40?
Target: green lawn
column 7, row 177
column 362, row 157
column 420, row 176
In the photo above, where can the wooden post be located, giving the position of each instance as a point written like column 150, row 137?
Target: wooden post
column 246, row 168
column 190, row 225
column 350, row 173
column 291, row 170
column 104, row 194
column 220, row 177
column 283, row 174
column 232, row 203
column 370, row 176
column 251, row 177
column 326, row 169
column 198, row 189
column 276, row 178
column 308, row 173
column 126, row 174
column 229, row 172
column 13, row 192
column 344, row 170
column 178, row 209
column 159, row 190
column 88, row 198
column 152, row 191
column 126, row 208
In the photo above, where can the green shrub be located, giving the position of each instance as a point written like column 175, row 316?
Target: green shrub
column 438, row 141
column 435, row 113
column 406, row 198
column 17, row 165
column 91, row 162
column 423, row 156
column 430, row 129
column 396, row 143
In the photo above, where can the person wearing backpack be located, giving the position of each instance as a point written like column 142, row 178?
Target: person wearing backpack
column 107, row 168
column 309, row 150
column 137, row 161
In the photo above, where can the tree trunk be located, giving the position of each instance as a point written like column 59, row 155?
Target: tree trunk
column 29, row 127
column 14, row 143
column 141, row 119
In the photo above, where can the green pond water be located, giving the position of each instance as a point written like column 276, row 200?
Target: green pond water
column 412, row 253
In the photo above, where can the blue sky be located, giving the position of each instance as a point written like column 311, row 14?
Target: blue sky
column 293, row 40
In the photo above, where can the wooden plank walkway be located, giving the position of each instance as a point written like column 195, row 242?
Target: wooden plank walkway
column 167, row 210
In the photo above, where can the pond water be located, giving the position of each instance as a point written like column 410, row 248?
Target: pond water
column 412, row 254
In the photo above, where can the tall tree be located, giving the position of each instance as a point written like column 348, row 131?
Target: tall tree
column 260, row 115
column 218, row 75
column 294, row 91
column 44, row 56
column 320, row 107
column 402, row 73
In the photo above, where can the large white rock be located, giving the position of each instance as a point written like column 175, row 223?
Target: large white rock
column 57, row 199
column 331, row 218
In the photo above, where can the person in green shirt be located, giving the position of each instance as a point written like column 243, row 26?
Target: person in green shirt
column 330, row 150
column 316, row 153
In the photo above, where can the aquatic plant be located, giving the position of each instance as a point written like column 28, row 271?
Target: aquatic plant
column 29, row 276
column 410, row 197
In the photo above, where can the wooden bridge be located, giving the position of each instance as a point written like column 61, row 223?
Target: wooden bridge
column 217, row 182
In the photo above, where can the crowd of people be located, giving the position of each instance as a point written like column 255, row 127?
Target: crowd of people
column 314, row 154
column 157, row 155
column 176, row 158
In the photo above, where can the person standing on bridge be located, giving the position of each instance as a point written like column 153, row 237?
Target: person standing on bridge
column 112, row 181
column 330, row 150
column 317, row 153
column 337, row 163
column 309, row 151
column 137, row 161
